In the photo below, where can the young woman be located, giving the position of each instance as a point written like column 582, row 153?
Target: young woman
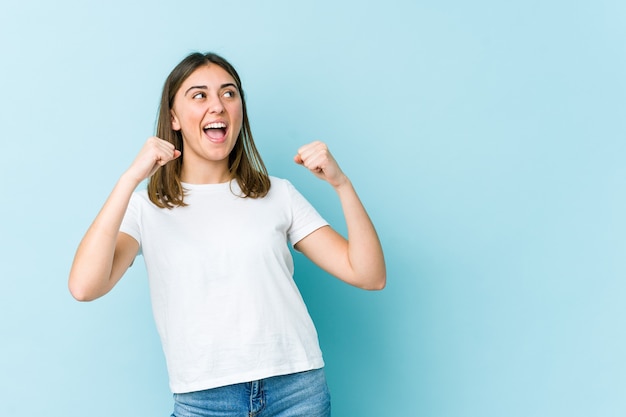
column 214, row 230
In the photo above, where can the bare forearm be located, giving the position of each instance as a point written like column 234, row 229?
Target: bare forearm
column 91, row 273
column 365, row 253
column 104, row 254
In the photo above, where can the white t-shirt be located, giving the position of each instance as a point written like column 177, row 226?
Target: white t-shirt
column 221, row 283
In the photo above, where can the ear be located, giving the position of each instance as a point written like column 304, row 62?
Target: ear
column 175, row 122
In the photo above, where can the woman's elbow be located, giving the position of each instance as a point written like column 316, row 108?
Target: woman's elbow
column 374, row 282
column 377, row 285
column 81, row 292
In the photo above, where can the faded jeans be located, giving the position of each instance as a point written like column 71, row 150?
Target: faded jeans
column 303, row 394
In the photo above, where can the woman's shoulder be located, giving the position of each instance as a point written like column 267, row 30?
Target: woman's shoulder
column 278, row 181
column 140, row 196
column 281, row 184
column 140, row 193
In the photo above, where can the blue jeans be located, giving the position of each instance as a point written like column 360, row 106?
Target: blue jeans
column 303, row 394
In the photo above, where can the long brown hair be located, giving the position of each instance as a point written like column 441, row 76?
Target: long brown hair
column 244, row 162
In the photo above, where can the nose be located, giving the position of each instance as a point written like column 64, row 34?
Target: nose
column 215, row 105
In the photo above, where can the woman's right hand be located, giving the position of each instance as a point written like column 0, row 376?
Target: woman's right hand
column 155, row 153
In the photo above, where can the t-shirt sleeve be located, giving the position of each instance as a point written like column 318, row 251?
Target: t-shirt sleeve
column 305, row 219
column 130, row 223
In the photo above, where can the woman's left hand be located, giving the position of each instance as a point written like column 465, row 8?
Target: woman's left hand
column 316, row 157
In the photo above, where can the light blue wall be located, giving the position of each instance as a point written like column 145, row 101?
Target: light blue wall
column 486, row 138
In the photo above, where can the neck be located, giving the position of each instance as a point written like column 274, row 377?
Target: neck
column 205, row 174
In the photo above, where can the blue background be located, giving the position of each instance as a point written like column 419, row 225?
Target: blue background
column 486, row 139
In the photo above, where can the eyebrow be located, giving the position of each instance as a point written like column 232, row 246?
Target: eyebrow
column 204, row 87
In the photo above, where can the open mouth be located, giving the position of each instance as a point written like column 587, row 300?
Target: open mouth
column 215, row 131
